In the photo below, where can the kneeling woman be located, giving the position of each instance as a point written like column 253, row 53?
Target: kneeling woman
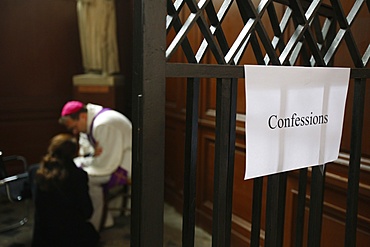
column 62, row 202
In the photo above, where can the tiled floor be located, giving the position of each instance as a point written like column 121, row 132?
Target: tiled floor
column 117, row 236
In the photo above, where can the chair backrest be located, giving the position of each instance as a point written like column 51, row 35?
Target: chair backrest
column 3, row 173
column 14, row 186
column 14, row 177
column 31, row 178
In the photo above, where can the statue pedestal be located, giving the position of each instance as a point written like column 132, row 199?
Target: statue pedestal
column 105, row 90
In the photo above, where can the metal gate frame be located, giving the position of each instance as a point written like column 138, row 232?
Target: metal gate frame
column 312, row 44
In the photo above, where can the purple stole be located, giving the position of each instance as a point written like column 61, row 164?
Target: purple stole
column 90, row 135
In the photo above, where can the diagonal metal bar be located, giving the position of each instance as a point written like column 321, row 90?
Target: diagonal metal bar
column 246, row 11
column 295, row 53
column 366, row 56
column 354, row 11
column 181, row 35
column 214, row 29
column 306, row 55
column 345, row 33
column 220, row 36
column 312, row 43
column 345, row 24
column 297, row 12
column 240, row 40
column 203, row 26
column 298, row 50
column 294, row 39
column 339, row 14
column 353, row 49
column 329, row 55
column 315, row 24
column 274, row 20
column 324, row 38
column 301, row 26
column 176, row 23
column 270, row 50
column 303, row 21
column 172, row 12
column 280, row 39
column 185, row 29
column 278, row 27
column 312, row 10
column 250, row 25
column 216, row 24
column 242, row 50
column 331, row 34
column 262, row 33
column 257, row 49
column 196, row 6
column 294, row 49
column 215, row 48
column 325, row 9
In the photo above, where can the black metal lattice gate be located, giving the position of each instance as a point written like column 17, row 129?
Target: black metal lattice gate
column 319, row 28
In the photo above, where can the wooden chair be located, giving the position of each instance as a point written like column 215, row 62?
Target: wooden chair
column 119, row 186
column 123, row 191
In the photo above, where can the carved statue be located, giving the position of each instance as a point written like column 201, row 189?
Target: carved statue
column 97, row 25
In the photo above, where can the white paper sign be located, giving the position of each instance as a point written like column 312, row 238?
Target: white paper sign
column 294, row 117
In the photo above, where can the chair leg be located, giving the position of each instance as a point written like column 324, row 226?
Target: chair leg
column 123, row 192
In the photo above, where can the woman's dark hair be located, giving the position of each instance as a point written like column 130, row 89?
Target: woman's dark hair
column 52, row 172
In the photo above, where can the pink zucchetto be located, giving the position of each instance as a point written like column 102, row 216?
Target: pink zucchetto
column 71, row 107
